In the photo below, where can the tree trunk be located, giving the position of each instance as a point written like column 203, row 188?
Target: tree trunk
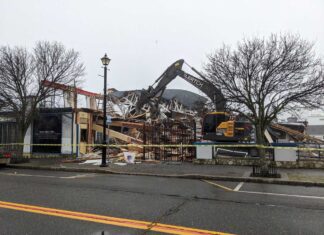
column 260, row 140
column 21, row 132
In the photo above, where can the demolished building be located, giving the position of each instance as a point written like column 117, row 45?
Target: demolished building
column 64, row 126
column 70, row 123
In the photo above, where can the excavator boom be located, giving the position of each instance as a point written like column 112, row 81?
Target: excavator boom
column 174, row 70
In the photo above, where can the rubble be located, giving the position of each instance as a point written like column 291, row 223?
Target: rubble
column 136, row 132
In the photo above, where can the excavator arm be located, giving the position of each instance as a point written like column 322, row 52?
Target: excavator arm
column 207, row 88
column 170, row 74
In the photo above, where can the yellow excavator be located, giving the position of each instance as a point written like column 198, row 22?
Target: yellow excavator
column 216, row 126
column 219, row 126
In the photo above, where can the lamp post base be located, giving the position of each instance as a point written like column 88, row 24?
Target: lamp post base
column 104, row 152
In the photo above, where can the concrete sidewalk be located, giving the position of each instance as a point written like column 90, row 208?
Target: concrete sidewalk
column 305, row 177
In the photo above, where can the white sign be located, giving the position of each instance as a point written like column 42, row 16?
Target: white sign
column 129, row 157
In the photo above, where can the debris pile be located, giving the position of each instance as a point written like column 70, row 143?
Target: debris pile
column 148, row 142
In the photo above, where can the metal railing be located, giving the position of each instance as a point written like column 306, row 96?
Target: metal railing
column 265, row 171
column 169, row 133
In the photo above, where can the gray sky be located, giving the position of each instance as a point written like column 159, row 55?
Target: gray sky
column 143, row 37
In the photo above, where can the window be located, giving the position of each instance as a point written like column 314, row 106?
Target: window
column 84, row 135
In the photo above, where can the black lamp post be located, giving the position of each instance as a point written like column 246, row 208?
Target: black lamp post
column 105, row 61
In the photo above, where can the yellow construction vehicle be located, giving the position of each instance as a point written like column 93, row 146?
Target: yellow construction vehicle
column 219, row 126
column 216, row 126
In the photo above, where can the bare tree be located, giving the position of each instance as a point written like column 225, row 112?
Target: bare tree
column 263, row 78
column 22, row 73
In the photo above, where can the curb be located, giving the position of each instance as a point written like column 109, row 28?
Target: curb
column 183, row 176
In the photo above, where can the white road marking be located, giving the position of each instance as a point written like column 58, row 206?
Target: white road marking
column 218, row 185
column 281, row 194
column 26, row 175
column 78, row 176
column 237, row 188
column 50, row 176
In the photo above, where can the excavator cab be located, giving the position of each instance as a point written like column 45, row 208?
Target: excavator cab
column 218, row 126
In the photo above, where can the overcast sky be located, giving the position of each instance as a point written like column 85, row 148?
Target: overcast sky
column 143, row 37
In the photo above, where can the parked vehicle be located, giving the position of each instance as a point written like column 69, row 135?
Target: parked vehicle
column 5, row 158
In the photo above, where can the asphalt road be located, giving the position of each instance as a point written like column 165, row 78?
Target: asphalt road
column 251, row 209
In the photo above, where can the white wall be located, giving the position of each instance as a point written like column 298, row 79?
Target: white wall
column 316, row 119
column 66, row 133
column 28, row 140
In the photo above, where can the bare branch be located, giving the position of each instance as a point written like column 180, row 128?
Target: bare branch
column 263, row 78
column 22, row 73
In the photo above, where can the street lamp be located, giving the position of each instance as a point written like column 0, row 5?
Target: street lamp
column 105, row 61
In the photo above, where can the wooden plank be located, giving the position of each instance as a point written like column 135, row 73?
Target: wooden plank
column 268, row 136
column 118, row 135
column 127, row 124
column 83, row 126
column 83, row 115
column 89, row 131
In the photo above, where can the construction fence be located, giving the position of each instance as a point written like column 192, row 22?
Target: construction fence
column 179, row 149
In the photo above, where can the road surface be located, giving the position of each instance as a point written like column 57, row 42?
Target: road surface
column 49, row 202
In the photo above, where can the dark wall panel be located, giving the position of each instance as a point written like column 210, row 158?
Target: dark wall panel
column 47, row 129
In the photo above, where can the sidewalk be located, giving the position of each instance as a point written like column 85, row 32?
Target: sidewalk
column 305, row 177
